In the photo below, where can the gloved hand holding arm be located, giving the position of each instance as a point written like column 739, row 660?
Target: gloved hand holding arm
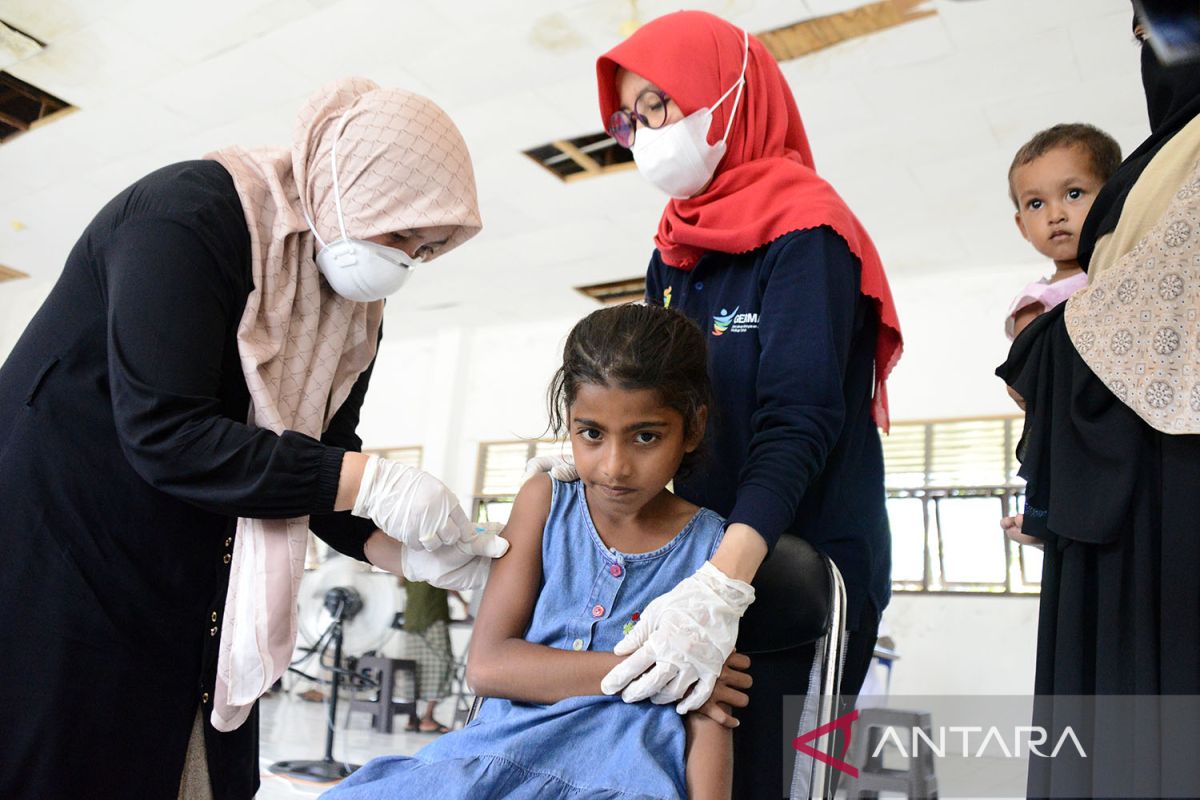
column 683, row 638
column 453, row 568
column 417, row 509
column 431, row 538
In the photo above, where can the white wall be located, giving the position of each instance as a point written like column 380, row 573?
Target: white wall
column 962, row 645
column 450, row 391
column 953, row 325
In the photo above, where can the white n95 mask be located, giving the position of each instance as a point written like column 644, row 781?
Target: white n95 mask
column 363, row 271
column 355, row 268
column 677, row 158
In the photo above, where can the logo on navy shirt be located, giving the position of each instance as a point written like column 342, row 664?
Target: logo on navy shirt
column 733, row 322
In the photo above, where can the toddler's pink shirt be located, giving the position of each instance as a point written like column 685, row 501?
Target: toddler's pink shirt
column 1046, row 293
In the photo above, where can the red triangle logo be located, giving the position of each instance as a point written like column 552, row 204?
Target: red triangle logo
column 844, row 722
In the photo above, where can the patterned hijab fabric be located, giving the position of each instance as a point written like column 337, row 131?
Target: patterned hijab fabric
column 402, row 165
column 1137, row 324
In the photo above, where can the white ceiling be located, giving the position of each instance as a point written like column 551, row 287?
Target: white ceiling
column 915, row 126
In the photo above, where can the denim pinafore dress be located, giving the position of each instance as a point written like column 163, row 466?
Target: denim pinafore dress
column 594, row 747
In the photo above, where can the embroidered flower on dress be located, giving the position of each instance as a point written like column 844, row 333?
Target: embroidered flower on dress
column 1170, row 287
column 1166, row 341
column 1120, row 390
column 1195, row 400
column 1122, row 340
column 1085, row 342
column 1098, row 295
column 1159, row 394
column 1188, row 190
column 1177, row 233
column 1127, row 291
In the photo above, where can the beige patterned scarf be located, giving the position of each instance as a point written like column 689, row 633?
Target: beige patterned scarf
column 402, row 165
column 1137, row 324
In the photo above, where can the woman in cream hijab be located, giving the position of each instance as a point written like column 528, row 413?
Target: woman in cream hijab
column 1111, row 453
column 177, row 416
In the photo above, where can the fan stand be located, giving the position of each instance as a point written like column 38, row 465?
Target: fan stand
column 343, row 603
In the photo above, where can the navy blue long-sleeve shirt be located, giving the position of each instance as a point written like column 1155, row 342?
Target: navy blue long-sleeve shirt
column 791, row 447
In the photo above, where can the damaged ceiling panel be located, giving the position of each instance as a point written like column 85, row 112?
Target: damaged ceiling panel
column 16, row 46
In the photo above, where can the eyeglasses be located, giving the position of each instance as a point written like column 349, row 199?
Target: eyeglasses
column 650, row 109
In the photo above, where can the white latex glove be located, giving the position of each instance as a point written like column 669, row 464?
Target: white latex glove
column 561, row 468
column 457, row 567
column 417, row 509
column 685, row 635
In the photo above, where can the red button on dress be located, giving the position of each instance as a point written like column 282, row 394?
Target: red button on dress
column 597, row 611
column 615, row 570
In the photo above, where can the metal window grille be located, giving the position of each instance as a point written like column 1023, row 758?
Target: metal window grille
column 948, row 484
column 501, row 467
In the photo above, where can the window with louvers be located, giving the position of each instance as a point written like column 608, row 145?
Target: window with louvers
column 410, row 456
column 501, row 467
column 948, row 484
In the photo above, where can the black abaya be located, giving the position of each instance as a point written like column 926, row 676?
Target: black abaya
column 1118, row 504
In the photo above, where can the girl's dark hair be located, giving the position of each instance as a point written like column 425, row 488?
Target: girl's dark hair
column 634, row 347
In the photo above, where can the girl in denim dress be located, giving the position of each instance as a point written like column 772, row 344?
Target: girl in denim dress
column 586, row 558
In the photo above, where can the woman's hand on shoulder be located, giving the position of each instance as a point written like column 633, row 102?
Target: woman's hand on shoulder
column 561, row 468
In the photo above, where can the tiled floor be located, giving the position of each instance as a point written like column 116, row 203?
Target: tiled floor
column 292, row 729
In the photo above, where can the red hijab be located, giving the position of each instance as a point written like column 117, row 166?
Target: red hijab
column 765, row 186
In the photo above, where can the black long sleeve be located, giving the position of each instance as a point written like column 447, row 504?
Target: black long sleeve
column 343, row 531
column 170, row 304
column 126, row 460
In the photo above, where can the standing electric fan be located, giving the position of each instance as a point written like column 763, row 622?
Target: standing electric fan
column 346, row 607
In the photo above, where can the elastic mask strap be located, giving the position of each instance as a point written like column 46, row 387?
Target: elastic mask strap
column 337, row 192
column 313, row 228
column 741, row 84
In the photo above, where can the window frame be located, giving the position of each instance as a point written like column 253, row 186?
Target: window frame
column 933, row 493
column 480, row 499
